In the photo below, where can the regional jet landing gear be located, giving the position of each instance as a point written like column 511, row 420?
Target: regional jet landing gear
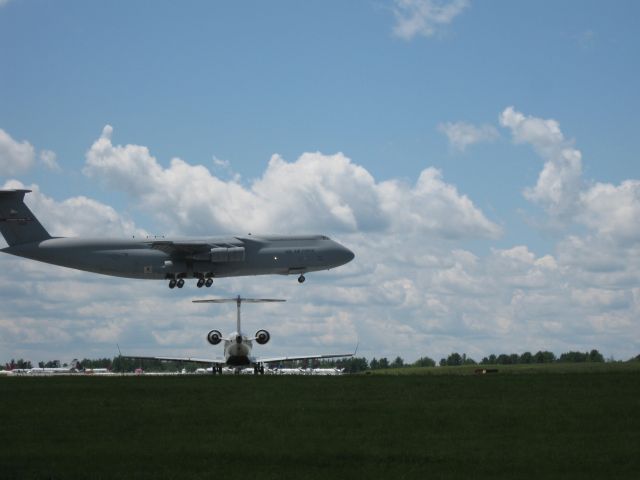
column 301, row 279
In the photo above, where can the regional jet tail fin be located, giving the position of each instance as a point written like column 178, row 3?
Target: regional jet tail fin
column 17, row 224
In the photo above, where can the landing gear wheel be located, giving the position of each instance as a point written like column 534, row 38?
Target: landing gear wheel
column 172, row 283
column 200, row 282
column 301, row 279
column 208, row 282
column 180, row 283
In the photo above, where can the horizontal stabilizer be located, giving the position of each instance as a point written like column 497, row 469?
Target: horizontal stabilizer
column 239, row 300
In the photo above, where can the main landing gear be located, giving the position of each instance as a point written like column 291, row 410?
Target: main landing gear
column 258, row 369
column 204, row 282
column 179, row 282
column 301, row 279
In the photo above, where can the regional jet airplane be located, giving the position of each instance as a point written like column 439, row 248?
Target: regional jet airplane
column 169, row 259
column 74, row 367
column 238, row 346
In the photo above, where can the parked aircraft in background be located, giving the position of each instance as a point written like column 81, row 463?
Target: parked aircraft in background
column 238, row 346
column 73, row 367
column 307, row 371
column 278, row 371
column 163, row 258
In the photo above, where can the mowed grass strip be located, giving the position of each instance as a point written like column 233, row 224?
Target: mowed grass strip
column 574, row 425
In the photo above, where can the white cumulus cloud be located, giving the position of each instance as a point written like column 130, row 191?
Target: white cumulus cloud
column 560, row 181
column 49, row 160
column 15, row 157
column 317, row 192
column 613, row 210
column 604, row 208
column 433, row 206
column 462, row 134
column 425, row 17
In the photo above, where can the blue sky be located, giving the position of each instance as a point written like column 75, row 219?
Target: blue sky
column 242, row 81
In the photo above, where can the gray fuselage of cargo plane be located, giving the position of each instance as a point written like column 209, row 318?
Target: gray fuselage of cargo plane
column 174, row 259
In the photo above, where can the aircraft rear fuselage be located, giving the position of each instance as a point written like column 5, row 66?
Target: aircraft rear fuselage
column 238, row 354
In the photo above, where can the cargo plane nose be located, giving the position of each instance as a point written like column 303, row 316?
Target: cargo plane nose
column 348, row 255
column 342, row 255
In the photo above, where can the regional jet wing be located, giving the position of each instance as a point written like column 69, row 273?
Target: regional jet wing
column 302, row 357
column 204, row 361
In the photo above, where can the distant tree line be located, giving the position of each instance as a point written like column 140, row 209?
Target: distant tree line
column 13, row 364
column 455, row 359
column 97, row 363
column 350, row 365
column 360, row 364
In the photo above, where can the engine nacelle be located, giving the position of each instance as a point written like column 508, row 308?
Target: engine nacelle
column 214, row 337
column 262, row 337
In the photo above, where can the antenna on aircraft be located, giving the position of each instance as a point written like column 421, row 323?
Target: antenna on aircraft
column 238, row 300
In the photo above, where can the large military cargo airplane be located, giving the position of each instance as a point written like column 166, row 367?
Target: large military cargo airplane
column 238, row 346
column 170, row 259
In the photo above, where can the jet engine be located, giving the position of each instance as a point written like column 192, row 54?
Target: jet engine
column 214, row 337
column 262, row 337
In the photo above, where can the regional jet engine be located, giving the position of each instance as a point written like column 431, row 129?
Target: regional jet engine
column 214, row 337
column 262, row 337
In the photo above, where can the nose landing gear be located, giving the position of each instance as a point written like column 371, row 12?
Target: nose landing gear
column 301, row 279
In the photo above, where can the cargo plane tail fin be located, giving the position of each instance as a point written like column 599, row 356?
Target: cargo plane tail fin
column 18, row 224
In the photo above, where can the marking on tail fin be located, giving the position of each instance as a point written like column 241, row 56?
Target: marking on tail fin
column 16, row 220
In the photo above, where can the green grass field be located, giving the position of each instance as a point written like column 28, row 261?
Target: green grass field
column 576, row 424
column 531, row 368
